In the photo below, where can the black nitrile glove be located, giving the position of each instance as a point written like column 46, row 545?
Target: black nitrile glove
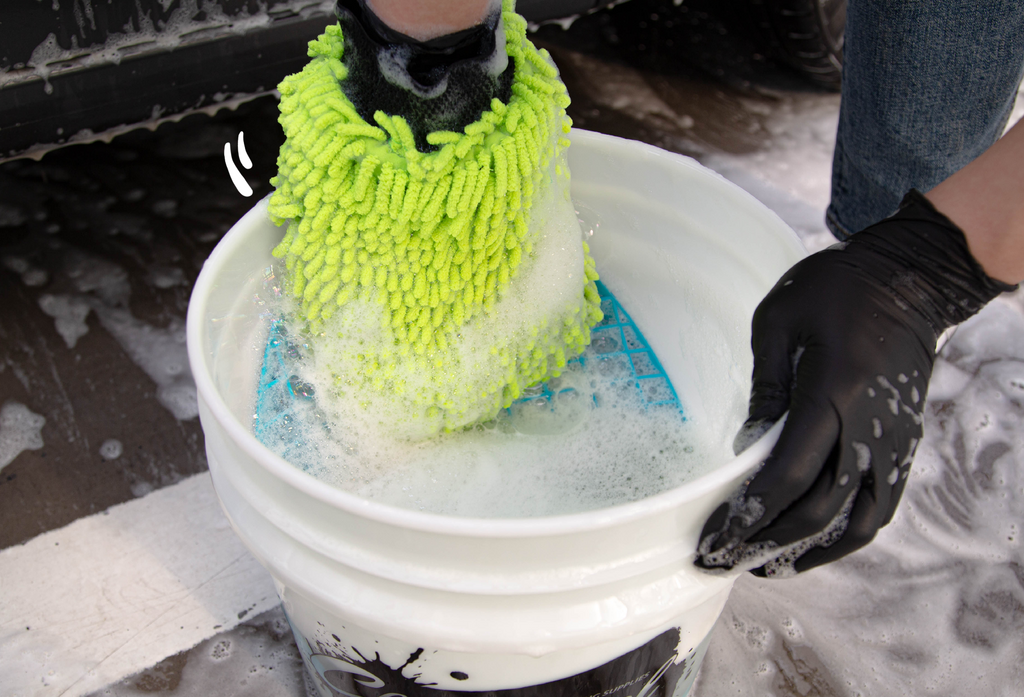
column 845, row 342
column 439, row 85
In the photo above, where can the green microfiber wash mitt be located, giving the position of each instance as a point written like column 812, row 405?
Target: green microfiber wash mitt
column 437, row 285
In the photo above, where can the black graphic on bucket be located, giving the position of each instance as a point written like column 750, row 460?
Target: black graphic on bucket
column 652, row 670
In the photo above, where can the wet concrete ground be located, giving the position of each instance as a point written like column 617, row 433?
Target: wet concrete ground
column 100, row 246
column 145, row 210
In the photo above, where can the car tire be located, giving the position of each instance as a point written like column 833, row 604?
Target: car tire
column 806, row 35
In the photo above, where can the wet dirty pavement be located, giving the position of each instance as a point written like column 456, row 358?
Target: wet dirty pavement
column 101, row 243
column 101, row 246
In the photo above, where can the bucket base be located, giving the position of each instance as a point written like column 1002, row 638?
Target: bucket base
column 652, row 670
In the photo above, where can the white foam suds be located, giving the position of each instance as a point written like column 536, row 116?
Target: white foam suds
column 784, row 173
column 933, row 606
column 113, row 593
column 189, row 22
column 498, row 62
column 393, row 63
column 164, row 277
column 261, row 652
column 11, row 216
column 20, row 429
column 566, row 22
column 591, row 444
column 103, row 288
column 111, row 449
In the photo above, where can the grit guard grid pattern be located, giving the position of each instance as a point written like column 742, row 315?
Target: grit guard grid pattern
column 286, row 406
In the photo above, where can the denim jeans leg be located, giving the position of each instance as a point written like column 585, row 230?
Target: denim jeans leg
column 928, row 85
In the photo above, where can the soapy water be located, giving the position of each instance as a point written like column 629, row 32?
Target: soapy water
column 608, row 430
column 186, row 22
column 20, row 429
column 149, row 30
column 102, row 287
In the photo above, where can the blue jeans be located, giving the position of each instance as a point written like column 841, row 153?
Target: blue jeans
column 928, row 85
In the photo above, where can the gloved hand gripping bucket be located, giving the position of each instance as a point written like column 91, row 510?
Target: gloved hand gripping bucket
column 384, row 600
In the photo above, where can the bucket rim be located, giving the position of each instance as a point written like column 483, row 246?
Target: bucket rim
column 460, row 526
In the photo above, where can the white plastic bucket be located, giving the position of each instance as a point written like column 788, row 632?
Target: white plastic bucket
column 390, row 601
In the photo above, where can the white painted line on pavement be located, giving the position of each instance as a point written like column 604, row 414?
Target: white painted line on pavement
column 116, row 592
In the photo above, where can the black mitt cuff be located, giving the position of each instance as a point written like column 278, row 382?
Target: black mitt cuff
column 443, row 84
